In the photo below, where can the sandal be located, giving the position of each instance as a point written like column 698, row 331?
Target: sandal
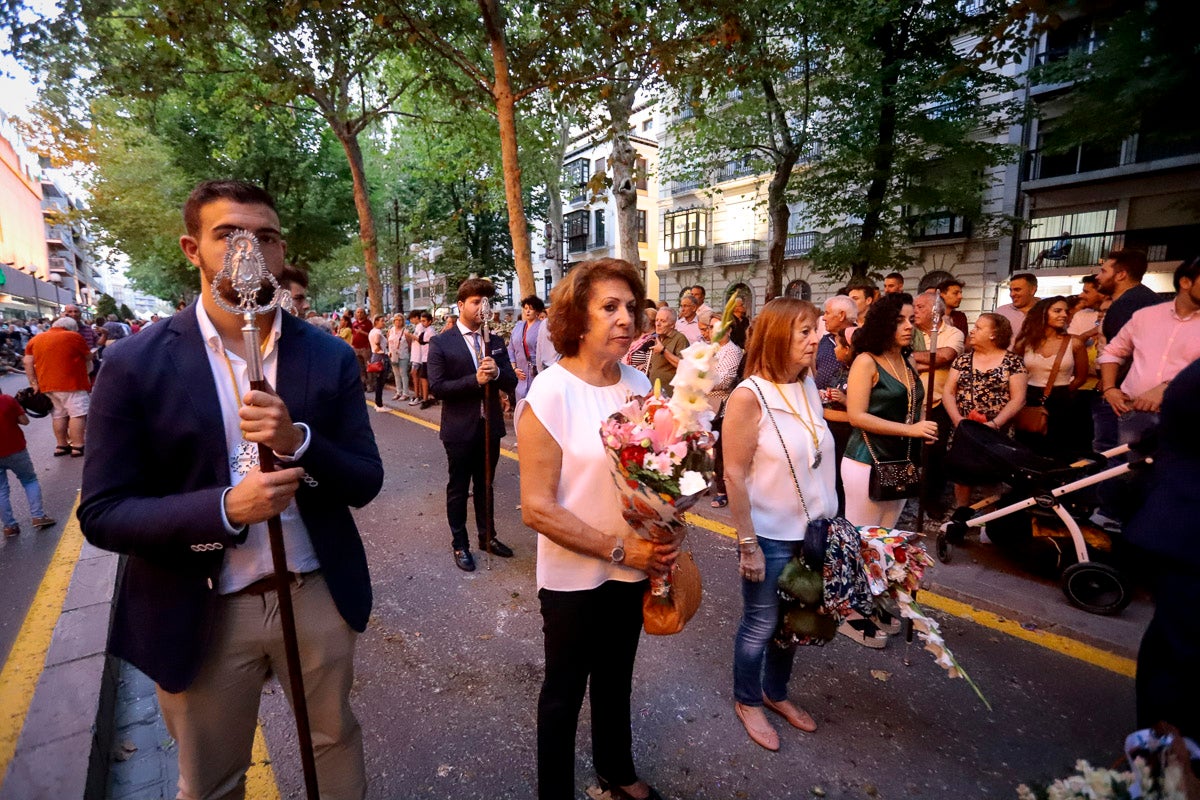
column 864, row 632
column 62, row 450
column 617, row 793
column 76, row 452
column 887, row 623
column 720, row 501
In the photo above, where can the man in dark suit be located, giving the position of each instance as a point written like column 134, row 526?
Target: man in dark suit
column 460, row 365
column 171, row 479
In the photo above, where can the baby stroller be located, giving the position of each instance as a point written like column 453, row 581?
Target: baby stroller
column 1039, row 498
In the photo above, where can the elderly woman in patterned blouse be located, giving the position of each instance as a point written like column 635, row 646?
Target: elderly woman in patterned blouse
column 729, row 362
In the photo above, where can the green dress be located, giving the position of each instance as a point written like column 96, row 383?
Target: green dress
column 889, row 400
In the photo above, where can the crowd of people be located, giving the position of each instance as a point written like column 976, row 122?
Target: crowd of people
column 806, row 403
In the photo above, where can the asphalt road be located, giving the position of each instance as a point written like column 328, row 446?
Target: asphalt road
column 23, row 558
column 449, row 670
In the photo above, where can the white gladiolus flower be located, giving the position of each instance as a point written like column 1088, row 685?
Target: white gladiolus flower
column 692, row 482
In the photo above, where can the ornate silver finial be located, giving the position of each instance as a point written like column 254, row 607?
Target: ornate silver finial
column 485, row 313
column 245, row 271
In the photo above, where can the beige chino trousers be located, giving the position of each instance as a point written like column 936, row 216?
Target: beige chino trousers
column 214, row 719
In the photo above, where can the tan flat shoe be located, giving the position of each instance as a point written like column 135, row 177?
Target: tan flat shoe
column 796, row 716
column 761, row 732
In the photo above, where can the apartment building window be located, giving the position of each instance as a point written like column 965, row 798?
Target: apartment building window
column 575, row 231
column 576, row 174
column 938, row 225
column 641, row 218
column 640, row 176
column 685, row 234
column 648, row 124
column 598, row 239
column 599, row 166
column 547, row 280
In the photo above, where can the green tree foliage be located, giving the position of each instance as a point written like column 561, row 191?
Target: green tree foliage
column 324, row 58
column 105, row 306
column 907, row 123
column 1132, row 65
column 126, row 312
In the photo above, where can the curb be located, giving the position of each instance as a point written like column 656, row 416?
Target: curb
column 65, row 744
column 1026, row 618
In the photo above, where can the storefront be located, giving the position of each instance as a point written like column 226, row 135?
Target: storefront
column 24, row 297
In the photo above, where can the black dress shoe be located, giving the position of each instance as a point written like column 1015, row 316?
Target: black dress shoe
column 617, row 793
column 464, row 561
column 497, row 548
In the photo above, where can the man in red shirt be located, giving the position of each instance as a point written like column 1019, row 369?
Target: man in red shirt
column 57, row 362
column 14, row 456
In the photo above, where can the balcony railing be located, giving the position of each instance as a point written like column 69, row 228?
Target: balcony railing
column 732, row 171
column 736, row 252
column 800, row 244
column 679, row 187
column 1173, row 243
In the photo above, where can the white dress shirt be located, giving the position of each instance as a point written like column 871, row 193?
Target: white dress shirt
column 251, row 560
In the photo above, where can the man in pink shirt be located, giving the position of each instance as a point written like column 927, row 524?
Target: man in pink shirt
column 1158, row 342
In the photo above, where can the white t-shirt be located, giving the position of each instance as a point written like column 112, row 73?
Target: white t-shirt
column 376, row 340
column 775, row 508
column 1039, row 366
column 420, row 351
column 571, row 410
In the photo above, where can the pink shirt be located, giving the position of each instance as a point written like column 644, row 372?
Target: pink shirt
column 1161, row 343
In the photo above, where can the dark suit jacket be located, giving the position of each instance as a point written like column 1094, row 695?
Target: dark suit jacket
column 452, row 380
column 157, row 464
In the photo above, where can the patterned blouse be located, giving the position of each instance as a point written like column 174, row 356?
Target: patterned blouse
column 984, row 391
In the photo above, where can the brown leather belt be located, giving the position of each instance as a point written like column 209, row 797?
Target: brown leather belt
column 267, row 584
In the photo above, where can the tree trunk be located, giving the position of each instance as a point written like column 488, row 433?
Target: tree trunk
column 884, row 156
column 623, row 161
column 554, row 245
column 366, row 218
column 518, row 227
column 787, row 154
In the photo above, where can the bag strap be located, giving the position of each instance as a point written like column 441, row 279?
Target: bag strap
column 911, row 413
column 786, row 455
column 1062, row 351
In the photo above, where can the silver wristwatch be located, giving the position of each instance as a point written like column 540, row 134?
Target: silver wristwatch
column 617, row 556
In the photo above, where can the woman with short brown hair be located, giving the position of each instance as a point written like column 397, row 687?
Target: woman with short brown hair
column 591, row 566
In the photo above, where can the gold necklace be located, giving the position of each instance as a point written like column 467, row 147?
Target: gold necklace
column 906, row 379
column 809, row 425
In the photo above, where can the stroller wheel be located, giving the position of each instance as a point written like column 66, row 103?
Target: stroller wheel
column 945, row 550
column 1095, row 587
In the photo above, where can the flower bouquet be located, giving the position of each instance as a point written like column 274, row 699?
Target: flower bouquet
column 660, row 449
column 895, row 563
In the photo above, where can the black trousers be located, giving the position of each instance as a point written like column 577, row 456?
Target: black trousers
column 935, row 473
column 590, row 636
column 1169, row 657
column 466, row 461
column 841, row 437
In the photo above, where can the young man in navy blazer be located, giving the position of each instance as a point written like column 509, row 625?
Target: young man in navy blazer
column 460, row 365
column 171, row 479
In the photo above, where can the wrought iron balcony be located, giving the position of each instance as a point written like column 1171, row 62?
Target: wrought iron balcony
column 1173, row 243
column 732, row 171
column 800, row 244
column 736, row 252
column 679, row 187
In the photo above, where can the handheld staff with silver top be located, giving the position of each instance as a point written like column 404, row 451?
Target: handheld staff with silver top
column 485, row 311
column 939, row 313
column 258, row 292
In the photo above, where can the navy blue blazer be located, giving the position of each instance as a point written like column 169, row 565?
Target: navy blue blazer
column 157, row 464
column 451, row 371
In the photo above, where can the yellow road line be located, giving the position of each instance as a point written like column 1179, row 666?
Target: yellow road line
column 28, row 656
column 433, row 426
column 1051, row 641
column 260, row 778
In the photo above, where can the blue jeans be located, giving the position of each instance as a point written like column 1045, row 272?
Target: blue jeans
column 759, row 666
column 22, row 467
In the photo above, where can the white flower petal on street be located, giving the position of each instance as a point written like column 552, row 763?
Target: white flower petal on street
column 691, row 482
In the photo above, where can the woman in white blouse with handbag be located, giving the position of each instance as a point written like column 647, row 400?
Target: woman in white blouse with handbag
column 779, row 471
column 591, row 566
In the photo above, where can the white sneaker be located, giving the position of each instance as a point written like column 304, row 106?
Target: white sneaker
column 381, row 408
column 414, row 402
